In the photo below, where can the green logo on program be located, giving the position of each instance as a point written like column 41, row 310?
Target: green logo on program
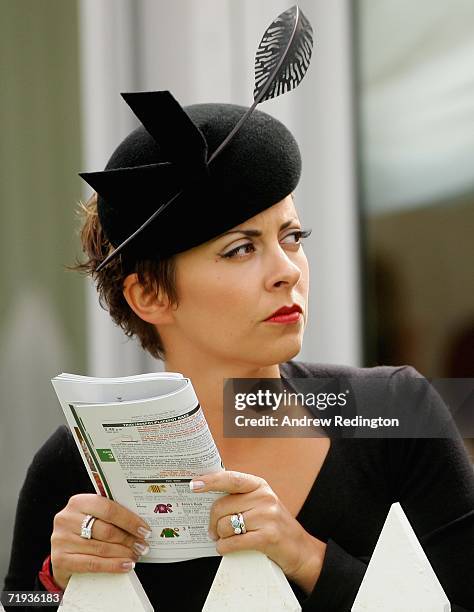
column 105, row 454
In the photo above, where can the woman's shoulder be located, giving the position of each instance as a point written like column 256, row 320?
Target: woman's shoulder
column 307, row 369
column 401, row 390
column 57, row 447
column 58, row 453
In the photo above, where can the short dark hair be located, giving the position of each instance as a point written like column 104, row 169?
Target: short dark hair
column 154, row 276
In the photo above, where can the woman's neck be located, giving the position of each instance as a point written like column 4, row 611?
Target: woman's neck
column 208, row 382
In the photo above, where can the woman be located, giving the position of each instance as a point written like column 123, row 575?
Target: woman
column 200, row 287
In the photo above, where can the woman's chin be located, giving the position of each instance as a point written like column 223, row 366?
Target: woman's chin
column 281, row 351
column 292, row 354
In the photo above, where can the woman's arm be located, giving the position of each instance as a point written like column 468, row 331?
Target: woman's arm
column 51, row 479
column 51, row 507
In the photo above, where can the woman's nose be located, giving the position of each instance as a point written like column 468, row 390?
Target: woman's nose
column 282, row 269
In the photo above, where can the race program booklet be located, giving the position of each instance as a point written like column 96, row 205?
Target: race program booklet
column 142, row 439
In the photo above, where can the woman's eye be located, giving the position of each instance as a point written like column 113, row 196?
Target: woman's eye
column 242, row 250
column 299, row 235
column 234, row 252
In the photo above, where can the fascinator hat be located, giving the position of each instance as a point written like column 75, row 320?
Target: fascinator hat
column 188, row 174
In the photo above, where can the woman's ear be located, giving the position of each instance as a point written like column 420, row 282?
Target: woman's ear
column 148, row 306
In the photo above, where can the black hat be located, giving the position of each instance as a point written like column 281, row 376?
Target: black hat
column 186, row 175
column 168, row 154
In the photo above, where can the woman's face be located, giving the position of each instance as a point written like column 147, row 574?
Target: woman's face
column 229, row 285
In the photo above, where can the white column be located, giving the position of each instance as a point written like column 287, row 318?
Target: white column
column 327, row 196
column 108, row 53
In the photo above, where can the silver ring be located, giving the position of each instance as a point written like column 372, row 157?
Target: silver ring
column 234, row 521
column 238, row 524
column 242, row 523
column 86, row 526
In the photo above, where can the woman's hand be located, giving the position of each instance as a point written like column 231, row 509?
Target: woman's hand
column 117, row 535
column 270, row 527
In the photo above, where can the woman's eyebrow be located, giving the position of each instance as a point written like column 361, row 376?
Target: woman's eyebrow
column 253, row 232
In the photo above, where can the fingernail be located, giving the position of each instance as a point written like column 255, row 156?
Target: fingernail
column 212, row 536
column 128, row 565
column 141, row 549
column 196, row 484
column 144, row 533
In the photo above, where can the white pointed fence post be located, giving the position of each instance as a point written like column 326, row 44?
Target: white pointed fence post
column 105, row 593
column 248, row 580
column 399, row 575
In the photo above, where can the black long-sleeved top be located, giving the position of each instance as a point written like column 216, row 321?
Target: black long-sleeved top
column 346, row 507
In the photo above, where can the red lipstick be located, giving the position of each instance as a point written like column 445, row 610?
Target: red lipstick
column 286, row 314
